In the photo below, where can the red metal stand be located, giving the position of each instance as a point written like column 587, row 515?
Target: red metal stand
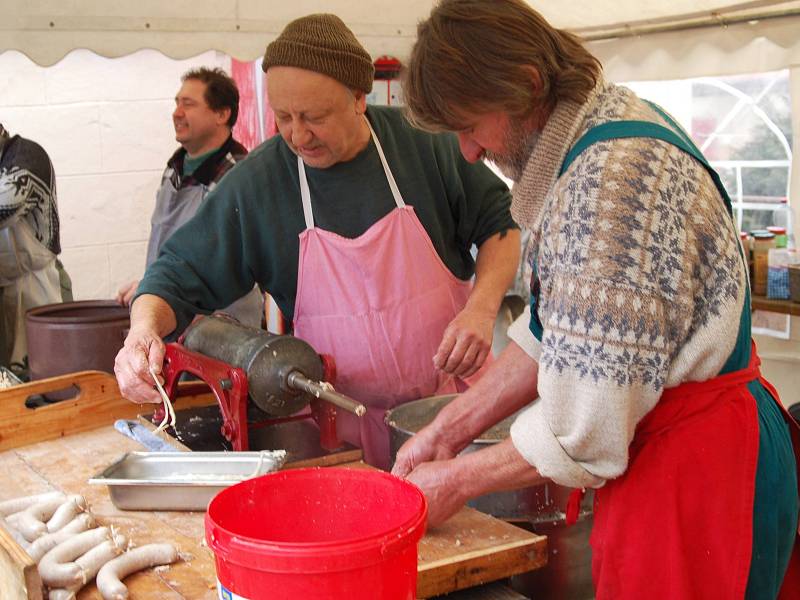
column 229, row 385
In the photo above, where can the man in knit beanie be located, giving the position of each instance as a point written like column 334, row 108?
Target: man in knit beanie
column 637, row 342
column 323, row 44
column 359, row 226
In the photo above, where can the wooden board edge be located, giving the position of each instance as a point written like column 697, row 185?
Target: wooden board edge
column 162, row 435
column 329, row 460
column 19, row 578
column 478, row 567
column 98, row 403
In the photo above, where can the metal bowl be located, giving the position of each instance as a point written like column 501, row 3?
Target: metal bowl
column 532, row 504
column 538, row 508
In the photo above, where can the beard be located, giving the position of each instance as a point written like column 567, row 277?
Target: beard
column 519, row 143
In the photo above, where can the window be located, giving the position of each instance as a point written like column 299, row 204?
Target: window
column 743, row 126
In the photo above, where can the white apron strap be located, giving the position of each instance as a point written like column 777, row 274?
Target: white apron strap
column 305, row 194
column 398, row 199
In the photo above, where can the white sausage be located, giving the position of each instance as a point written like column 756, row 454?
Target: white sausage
column 109, row 578
column 31, row 521
column 74, row 505
column 91, row 563
column 29, row 526
column 78, row 524
column 94, row 559
column 44, row 509
column 49, row 541
column 56, row 567
column 16, row 535
column 15, row 505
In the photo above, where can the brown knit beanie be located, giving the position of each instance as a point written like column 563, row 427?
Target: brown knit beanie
column 324, row 44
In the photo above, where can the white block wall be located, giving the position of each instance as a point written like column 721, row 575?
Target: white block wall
column 107, row 125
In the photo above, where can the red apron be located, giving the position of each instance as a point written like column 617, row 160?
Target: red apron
column 379, row 304
column 700, row 436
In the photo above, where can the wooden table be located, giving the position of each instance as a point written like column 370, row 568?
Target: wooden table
column 786, row 307
column 78, row 441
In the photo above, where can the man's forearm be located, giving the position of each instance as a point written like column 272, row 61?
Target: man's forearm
column 154, row 313
column 509, row 384
column 495, row 267
column 497, row 468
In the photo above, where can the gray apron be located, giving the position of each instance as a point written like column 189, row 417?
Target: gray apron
column 28, row 278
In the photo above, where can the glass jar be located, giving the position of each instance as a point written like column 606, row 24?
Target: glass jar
column 780, row 236
column 762, row 242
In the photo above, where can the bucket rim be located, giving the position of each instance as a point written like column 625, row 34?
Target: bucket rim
column 48, row 313
column 305, row 557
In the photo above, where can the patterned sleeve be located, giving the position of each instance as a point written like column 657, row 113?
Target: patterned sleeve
column 27, row 189
column 15, row 190
column 642, row 289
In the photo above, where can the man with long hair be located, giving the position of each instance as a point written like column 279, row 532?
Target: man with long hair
column 637, row 341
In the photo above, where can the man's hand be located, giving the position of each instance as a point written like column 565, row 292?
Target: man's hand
column 126, row 292
column 466, row 343
column 424, row 446
column 467, row 340
column 142, row 349
column 439, row 482
column 448, row 484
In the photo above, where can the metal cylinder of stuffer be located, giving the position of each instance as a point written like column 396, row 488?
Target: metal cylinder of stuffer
column 266, row 358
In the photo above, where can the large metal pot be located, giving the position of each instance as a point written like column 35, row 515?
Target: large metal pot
column 75, row 336
column 538, row 508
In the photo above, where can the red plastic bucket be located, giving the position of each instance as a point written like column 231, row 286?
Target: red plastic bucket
column 316, row 534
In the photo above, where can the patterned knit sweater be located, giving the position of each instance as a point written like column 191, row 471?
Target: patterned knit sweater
column 28, row 191
column 642, row 286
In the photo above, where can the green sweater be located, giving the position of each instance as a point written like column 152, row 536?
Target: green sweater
column 247, row 230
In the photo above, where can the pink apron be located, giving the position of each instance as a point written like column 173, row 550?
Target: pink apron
column 379, row 304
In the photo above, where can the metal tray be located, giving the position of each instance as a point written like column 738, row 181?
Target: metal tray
column 180, row 480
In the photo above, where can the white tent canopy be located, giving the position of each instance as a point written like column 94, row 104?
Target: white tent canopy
column 105, row 122
column 722, row 37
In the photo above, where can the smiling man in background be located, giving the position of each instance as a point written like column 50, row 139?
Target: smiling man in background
column 206, row 109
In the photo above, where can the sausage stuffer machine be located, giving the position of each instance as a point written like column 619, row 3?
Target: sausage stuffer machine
column 280, row 374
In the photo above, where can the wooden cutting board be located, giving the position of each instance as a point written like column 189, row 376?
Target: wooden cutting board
column 470, row 549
